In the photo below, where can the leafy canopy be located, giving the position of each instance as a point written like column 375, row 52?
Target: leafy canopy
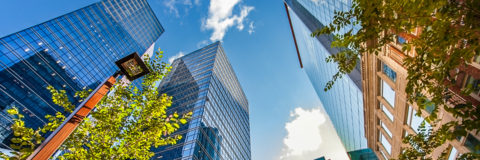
column 449, row 39
column 124, row 125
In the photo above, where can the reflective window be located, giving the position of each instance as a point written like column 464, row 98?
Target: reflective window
column 203, row 82
column 343, row 102
column 430, row 106
column 388, row 93
column 383, row 140
column 471, row 143
column 68, row 53
column 387, row 112
column 389, row 72
column 401, row 40
column 453, row 154
column 415, row 121
column 383, row 154
column 386, row 129
column 475, row 83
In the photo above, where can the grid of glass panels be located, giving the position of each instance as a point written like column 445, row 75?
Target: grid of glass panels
column 72, row 52
column 343, row 103
column 323, row 10
column 205, row 83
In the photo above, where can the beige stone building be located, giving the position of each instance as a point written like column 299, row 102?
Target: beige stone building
column 388, row 115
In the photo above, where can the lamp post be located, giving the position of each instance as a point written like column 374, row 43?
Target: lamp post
column 131, row 66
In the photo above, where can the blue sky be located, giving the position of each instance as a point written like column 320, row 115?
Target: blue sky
column 286, row 116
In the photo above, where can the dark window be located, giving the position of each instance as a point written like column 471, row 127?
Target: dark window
column 471, row 143
column 475, row 84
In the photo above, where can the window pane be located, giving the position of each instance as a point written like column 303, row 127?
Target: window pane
column 385, row 144
column 453, row 153
column 471, row 143
column 417, row 121
column 389, row 115
column 401, row 40
column 386, row 129
column 430, row 106
column 389, row 72
column 383, row 154
column 475, row 84
column 388, row 93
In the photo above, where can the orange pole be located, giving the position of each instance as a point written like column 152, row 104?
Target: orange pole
column 51, row 144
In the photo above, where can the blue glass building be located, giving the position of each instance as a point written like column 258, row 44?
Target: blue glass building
column 72, row 52
column 344, row 102
column 321, row 158
column 362, row 154
column 204, row 82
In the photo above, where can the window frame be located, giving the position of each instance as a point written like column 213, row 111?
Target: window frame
column 386, row 129
column 389, row 151
column 382, row 85
column 455, row 155
column 465, row 141
column 382, row 67
column 397, row 41
column 465, row 81
column 383, row 108
column 411, row 115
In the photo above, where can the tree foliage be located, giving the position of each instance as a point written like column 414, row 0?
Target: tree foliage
column 450, row 31
column 124, row 125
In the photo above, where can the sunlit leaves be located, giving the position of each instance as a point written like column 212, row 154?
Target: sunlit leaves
column 124, row 125
column 450, row 38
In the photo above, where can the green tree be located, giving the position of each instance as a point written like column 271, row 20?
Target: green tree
column 124, row 125
column 449, row 39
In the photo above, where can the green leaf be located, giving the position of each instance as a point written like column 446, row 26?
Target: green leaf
column 12, row 111
column 116, row 126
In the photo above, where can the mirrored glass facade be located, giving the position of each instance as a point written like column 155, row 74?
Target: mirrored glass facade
column 72, row 52
column 344, row 102
column 204, row 82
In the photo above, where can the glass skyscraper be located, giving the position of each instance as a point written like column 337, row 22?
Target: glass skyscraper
column 72, row 52
column 204, row 82
column 343, row 103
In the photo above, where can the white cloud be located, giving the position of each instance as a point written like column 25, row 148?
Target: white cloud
column 250, row 28
column 171, row 59
column 202, row 43
column 197, row 2
column 303, row 132
column 220, row 17
column 172, row 5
